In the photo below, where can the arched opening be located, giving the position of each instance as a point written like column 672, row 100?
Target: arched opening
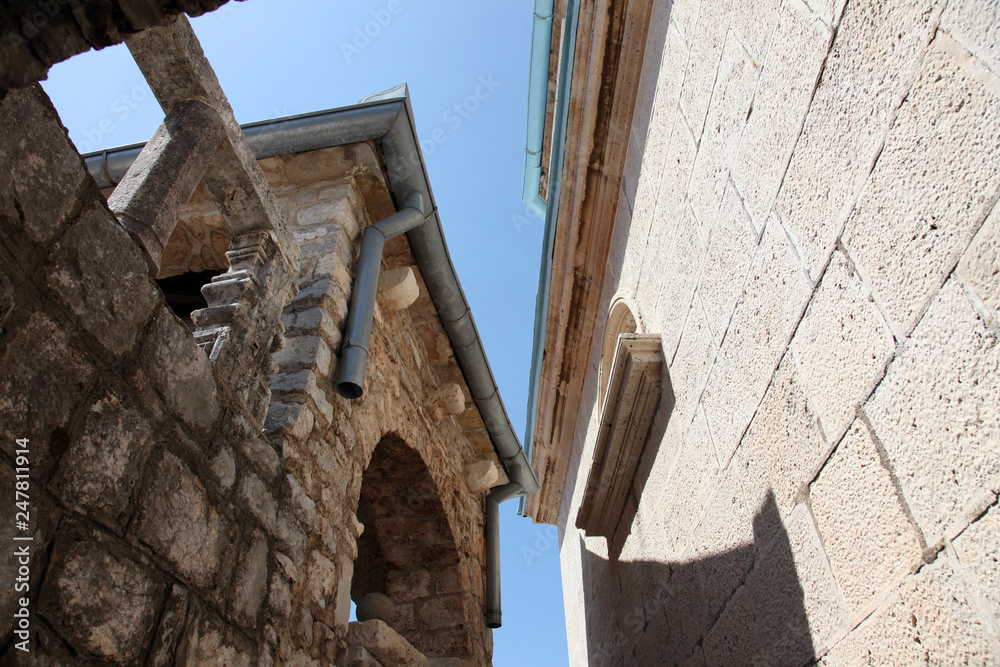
column 620, row 321
column 407, row 551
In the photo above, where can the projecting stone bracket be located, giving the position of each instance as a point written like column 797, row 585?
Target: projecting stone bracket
column 632, row 400
column 444, row 400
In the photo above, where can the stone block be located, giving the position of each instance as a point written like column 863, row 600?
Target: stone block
column 359, row 657
column 100, row 595
column 181, row 373
column 409, row 584
column 705, row 42
column 313, row 321
column 975, row 24
column 717, row 150
column 442, row 612
column 99, row 273
column 101, row 468
column 680, row 277
column 733, row 640
column 794, row 596
column 730, row 252
column 320, row 586
column 780, row 450
column 250, row 584
column 935, row 413
column 258, row 501
column 910, row 227
column 756, row 23
column 43, row 375
column 927, row 621
column 297, row 387
column 385, row 644
column 868, row 538
column 209, row 641
column 334, row 209
column 873, row 58
column 775, row 295
column 841, row 347
column 786, row 86
column 46, row 171
column 397, row 289
column 978, row 549
column 692, row 363
column 178, row 521
column 723, row 544
column 300, row 352
column 980, row 265
column 170, row 628
column 691, row 483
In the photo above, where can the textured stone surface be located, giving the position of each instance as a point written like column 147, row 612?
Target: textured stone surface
column 46, row 190
column 706, row 40
column 692, row 363
column 975, row 24
column 769, row 470
column 875, row 54
column 101, row 596
column 928, row 621
column 980, row 265
column 44, row 373
column 733, row 640
column 776, row 294
column 930, row 412
column 910, row 227
column 684, row 261
column 723, row 544
column 795, row 599
column 730, row 253
column 717, row 150
column 180, row 371
column 841, row 347
column 397, row 289
column 867, row 535
column 387, row 646
column 177, row 520
column 979, row 551
column 101, row 276
column 101, row 468
column 779, row 104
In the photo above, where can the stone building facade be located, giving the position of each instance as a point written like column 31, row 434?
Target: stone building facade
column 195, row 490
column 794, row 203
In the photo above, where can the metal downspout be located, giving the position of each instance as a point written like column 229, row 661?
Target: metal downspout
column 493, row 500
column 350, row 382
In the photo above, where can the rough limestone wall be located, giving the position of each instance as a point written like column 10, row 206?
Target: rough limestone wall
column 165, row 525
column 327, row 443
column 39, row 33
column 808, row 218
column 143, row 545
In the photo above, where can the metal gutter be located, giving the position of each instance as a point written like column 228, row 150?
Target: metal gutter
column 560, row 119
column 538, row 90
column 388, row 119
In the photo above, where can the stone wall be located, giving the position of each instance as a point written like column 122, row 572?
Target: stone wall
column 808, row 219
column 169, row 520
column 35, row 34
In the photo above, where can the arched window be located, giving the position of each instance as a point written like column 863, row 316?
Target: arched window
column 620, row 321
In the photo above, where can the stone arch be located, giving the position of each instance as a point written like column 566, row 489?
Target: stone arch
column 408, row 551
column 621, row 320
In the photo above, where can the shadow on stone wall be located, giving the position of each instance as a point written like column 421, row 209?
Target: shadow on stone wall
column 743, row 606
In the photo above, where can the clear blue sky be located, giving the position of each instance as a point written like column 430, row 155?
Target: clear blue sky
column 283, row 57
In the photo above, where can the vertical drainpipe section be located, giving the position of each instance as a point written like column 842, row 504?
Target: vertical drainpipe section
column 493, row 500
column 350, row 380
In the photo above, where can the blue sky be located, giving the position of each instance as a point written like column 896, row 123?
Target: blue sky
column 282, row 57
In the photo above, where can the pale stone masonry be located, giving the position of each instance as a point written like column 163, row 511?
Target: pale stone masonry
column 805, row 210
column 199, row 492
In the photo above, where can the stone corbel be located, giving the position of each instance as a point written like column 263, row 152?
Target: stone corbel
column 444, row 400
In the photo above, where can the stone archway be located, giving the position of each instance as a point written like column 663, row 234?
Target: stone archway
column 408, row 552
